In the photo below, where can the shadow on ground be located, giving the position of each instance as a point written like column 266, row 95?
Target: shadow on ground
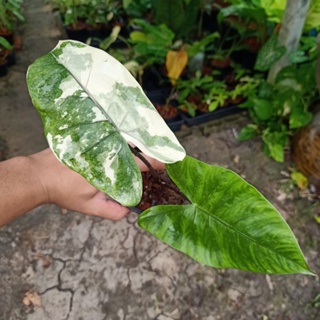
column 69, row 266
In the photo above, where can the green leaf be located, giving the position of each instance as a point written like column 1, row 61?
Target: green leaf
column 299, row 118
column 138, row 36
column 200, row 46
column 269, row 54
column 228, row 224
column 298, row 56
column 126, row 3
column 300, row 180
column 152, row 42
column 246, row 104
column 263, row 108
column 179, row 15
column 160, row 36
column 213, row 105
column 275, row 143
column 248, row 132
column 265, row 90
column 91, row 108
column 5, row 43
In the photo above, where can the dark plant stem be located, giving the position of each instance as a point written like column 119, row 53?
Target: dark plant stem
column 138, row 154
column 135, row 210
column 172, row 91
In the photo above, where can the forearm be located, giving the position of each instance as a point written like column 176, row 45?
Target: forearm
column 20, row 188
column 27, row 182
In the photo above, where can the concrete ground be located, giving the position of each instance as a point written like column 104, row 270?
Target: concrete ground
column 57, row 265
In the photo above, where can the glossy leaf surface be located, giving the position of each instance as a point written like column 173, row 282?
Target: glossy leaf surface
column 269, row 54
column 228, row 224
column 91, row 108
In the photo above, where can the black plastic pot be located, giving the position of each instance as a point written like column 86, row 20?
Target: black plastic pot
column 153, row 79
column 93, row 32
column 245, row 58
column 210, row 22
column 11, row 59
column 77, row 34
column 203, row 117
column 3, row 68
column 158, row 98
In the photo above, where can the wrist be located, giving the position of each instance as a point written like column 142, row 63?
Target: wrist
column 21, row 189
column 39, row 165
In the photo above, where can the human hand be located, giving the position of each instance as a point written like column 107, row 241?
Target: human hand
column 69, row 190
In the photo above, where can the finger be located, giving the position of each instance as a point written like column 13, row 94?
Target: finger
column 155, row 164
column 107, row 209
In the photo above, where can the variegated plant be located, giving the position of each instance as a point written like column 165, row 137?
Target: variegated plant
column 92, row 109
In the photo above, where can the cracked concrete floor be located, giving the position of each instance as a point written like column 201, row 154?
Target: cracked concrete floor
column 68, row 266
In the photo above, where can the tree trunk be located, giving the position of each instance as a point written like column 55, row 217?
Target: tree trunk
column 290, row 32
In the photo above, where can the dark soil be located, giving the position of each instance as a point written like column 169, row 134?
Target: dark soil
column 167, row 111
column 158, row 189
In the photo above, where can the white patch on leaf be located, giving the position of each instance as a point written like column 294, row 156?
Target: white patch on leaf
column 109, row 167
column 83, row 95
column 110, row 173
column 97, row 73
column 65, row 126
column 63, row 145
column 68, row 87
column 98, row 115
column 83, row 163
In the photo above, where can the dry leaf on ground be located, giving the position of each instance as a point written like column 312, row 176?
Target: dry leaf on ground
column 31, row 299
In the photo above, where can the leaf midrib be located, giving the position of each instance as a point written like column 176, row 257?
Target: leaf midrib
column 197, row 207
column 85, row 90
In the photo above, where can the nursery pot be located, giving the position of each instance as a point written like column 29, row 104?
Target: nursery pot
column 167, row 111
column 77, row 31
column 11, row 59
column 3, row 68
column 94, row 31
column 7, row 34
column 221, row 63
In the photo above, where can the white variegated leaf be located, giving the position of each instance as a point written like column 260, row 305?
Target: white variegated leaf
column 91, row 107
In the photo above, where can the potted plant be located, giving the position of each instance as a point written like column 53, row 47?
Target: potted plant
column 103, row 15
column 251, row 22
column 219, row 56
column 163, row 59
column 278, row 109
column 150, row 45
column 204, row 98
column 73, row 13
column 138, row 8
column 96, row 17
column 180, row 16
column 10, row 15
column 227, row 223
